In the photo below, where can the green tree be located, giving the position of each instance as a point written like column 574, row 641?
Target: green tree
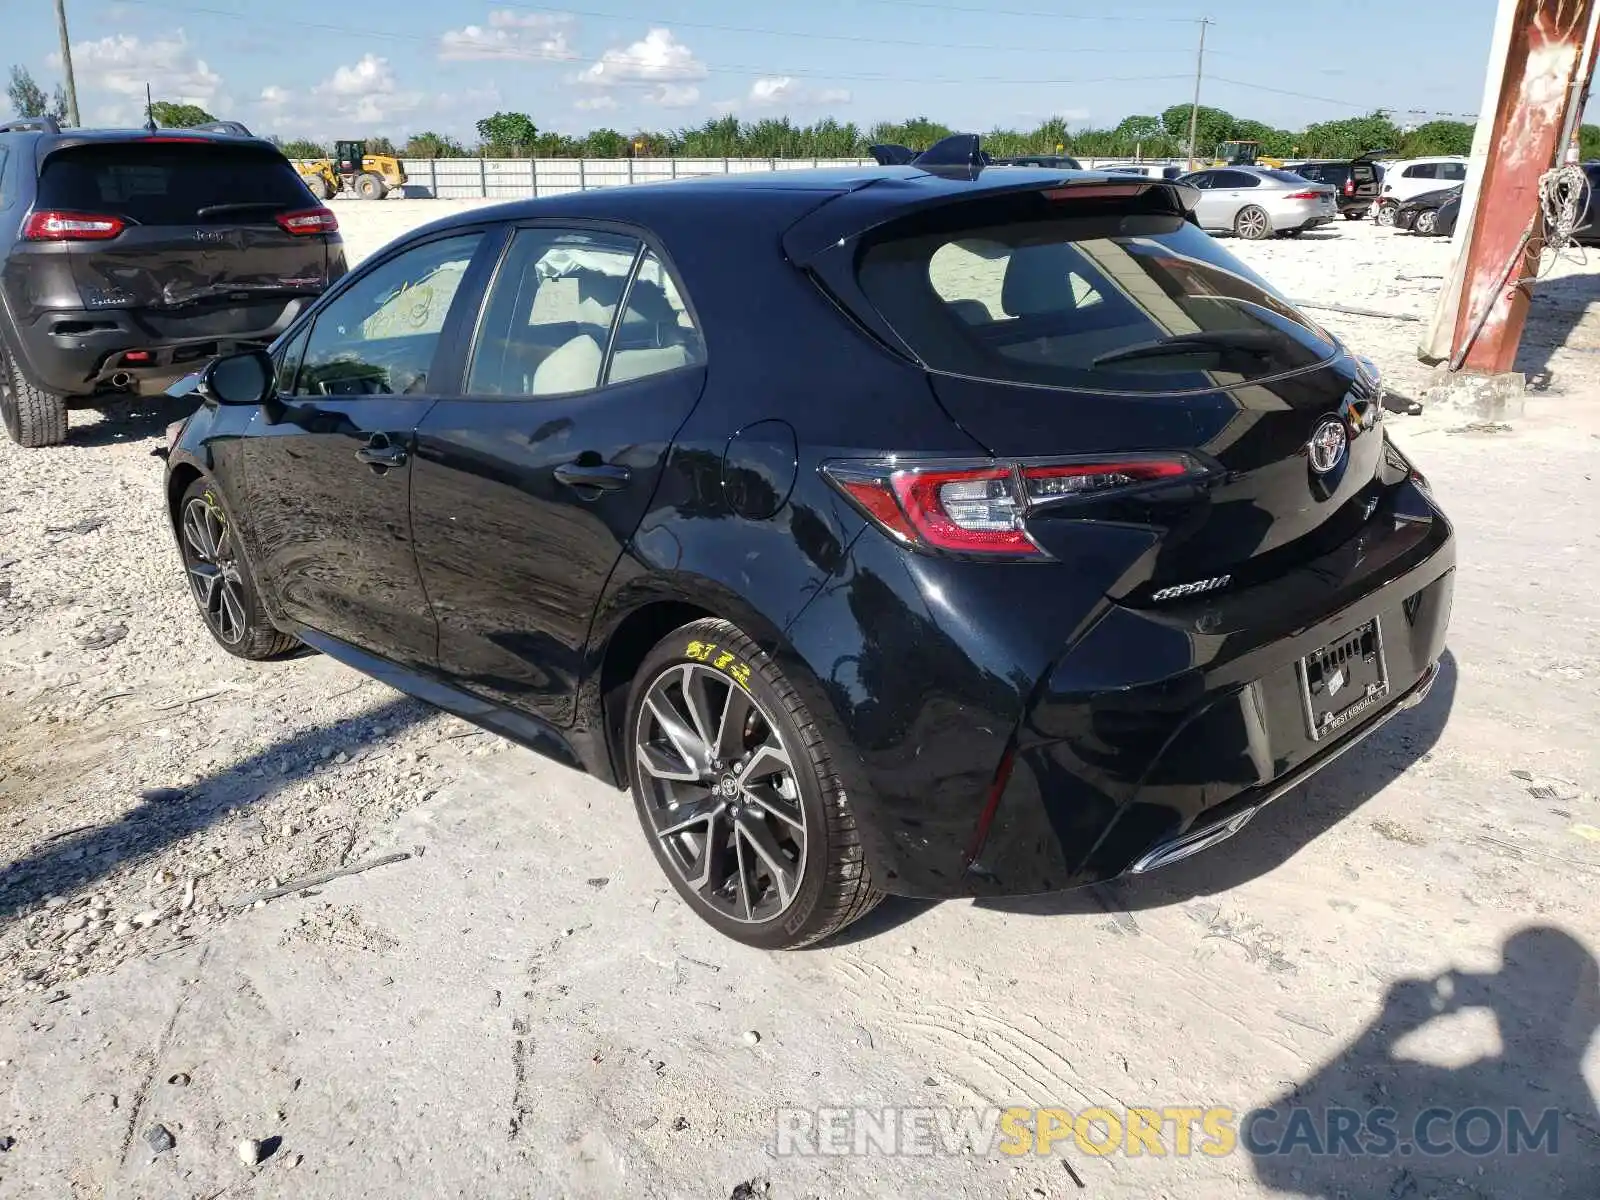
column 433, row 145
column 1275, row 143
column 1348, row 138
column 1212, row 125
column 1589, row 142
column 1438, row 137
column 302, row 149
column 381, row 145
column 720, row 137
column 605, row 143
column 508, row 135
column 650, row 145
column 557, row 145
column 171, row 115
column 28, row 98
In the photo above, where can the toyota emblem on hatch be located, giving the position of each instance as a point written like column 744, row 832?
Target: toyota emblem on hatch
column 1327, row 445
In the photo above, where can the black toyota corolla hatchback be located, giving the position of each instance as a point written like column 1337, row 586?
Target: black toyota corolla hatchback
column 942, row 532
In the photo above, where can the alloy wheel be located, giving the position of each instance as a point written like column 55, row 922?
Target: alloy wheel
column 721, row 792
column 1386, row 215
column 1425, row 222
column 1252, row 224
column 208, row 558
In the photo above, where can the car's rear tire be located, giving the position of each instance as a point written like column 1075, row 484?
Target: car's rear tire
column 33, row 416
column 1426, row 221
column 370, row 186
column 1252, row 223
column 736, row 791
column 1386, row 214
column 220, row 578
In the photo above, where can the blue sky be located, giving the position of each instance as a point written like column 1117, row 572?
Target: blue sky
column 395, row 67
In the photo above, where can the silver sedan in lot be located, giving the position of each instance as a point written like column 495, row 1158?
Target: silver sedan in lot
column 1258, row 202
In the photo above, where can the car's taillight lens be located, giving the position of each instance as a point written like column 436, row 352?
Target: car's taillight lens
column 1349, row 187
column 49, row 225
column 309, row 221
column 1302, row 195
column 979, row 509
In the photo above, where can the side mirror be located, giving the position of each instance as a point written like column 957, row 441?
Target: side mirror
column 239, row 378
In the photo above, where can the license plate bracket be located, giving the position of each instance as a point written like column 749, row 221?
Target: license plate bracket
column 1344, row 679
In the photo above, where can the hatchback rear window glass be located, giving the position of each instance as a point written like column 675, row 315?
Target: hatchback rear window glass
column 1136, row 304
column 168, row 184
column 1363, row 172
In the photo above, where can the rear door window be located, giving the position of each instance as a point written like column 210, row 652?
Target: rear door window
column 1422, row 171
column 1236, row 179
column 1128, row 305
column 1453, row 171
column 169, row 183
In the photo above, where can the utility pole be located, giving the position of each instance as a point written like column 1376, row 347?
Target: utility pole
column 66, row 64
column 1199, row 70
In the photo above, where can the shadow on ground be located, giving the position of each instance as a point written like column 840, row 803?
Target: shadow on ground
column 1384, row 1119
column 131, row 420
column 168, row 815
column 1557, row 309
column 1281, row 830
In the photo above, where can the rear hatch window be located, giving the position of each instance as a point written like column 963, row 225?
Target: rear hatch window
column 168, row 183
column 1129, row 304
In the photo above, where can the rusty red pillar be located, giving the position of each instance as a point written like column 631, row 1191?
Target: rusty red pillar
column 1542, row 52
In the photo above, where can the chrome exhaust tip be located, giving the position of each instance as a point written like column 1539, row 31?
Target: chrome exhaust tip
column 1193, row 842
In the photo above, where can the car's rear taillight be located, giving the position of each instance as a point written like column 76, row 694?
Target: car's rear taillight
column 308, row 221
column 1302, row 195
column 980, row 508
column 1349, row 187
column 50, row 225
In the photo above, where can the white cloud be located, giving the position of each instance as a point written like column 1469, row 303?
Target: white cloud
column 366, row 92
column 124, row 63
column 511, row 37
column 674, row 95
column 659, row 58
column 783, row 91
column 601, row 103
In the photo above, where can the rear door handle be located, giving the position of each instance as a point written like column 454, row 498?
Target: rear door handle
column 600, row 477
column 380, row 453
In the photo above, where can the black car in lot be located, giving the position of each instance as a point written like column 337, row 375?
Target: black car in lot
column 1420, row 214
column 130, row 257
column 944, row 533
column 1357, row 182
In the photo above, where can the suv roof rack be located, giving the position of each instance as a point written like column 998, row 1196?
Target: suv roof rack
column 234, row 128
column 44, row 124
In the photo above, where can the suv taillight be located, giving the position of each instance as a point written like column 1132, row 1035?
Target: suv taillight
column 50, row 225
column 1349, row 187
column 971, row 508
column 308, row 221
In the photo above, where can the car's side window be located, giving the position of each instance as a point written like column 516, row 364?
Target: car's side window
column 657, row 332
column 378, row 336
column 1453, row 171
column 1312, row 173
column 5, row 188
column 1422, row 171
column 1239, row 179
column 547, row 319
column 286, row 363
column 1201, row 180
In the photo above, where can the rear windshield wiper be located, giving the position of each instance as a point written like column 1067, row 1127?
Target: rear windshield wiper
column 216, row 210
column 1258, row 343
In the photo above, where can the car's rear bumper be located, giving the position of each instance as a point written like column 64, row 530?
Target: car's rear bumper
column 79, row 352
column 976, row 772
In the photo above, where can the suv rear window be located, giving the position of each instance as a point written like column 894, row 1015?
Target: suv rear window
column 169, row 184
column 1057, row 303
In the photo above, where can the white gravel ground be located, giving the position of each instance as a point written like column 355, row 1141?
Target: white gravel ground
column 521, row 1007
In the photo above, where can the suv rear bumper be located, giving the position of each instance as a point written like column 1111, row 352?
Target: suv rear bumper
column 79, row 352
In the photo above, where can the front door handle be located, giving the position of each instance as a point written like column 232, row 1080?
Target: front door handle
column 597, row 477
column 380, row 453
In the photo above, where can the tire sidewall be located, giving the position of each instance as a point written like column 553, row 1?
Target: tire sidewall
column 1238, row 222
column 793, row 923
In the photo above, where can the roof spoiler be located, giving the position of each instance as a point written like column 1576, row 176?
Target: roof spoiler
column 958, row 155
column 234, row 128
column 46, row 124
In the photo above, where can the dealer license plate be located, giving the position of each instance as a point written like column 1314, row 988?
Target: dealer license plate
column 1343, row 680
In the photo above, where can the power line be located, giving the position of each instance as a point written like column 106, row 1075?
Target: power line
column 863, row 77
column 1034, row 13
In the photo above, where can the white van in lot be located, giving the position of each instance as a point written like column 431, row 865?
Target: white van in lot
column 1411, row 177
